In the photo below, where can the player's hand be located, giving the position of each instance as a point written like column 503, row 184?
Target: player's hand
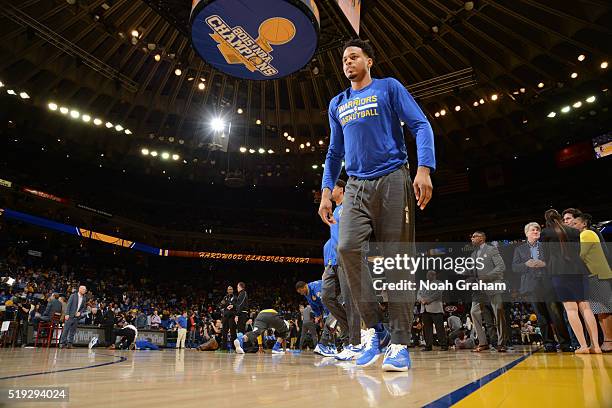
column 423, row 189
column 325, row 208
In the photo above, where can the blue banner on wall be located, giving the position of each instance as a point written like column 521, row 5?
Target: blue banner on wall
column 255, row 39
column 81, row 232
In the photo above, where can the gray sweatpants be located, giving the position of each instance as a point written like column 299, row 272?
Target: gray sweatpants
column 336, row 296
column 384, row 207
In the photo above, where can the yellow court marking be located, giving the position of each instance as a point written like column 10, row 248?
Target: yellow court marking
column 549, row 380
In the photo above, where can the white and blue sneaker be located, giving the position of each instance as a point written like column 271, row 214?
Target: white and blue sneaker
column 277, row 349
column 318, row 349
column 373, row 343
column 239, row 343
column 350, row 352
column 328, row 351
column 397, row 358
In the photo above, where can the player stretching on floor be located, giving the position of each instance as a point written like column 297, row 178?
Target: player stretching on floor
column 266, row 319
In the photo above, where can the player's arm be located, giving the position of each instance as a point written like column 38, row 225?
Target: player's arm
column 333, row 166
column 410, row 112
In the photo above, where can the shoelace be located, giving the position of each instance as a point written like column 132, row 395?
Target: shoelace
column 393, row 350
column 367, row 338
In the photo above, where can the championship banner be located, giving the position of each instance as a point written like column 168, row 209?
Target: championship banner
column 6, row 183
column 42, row 194
column 255, row 39
column 109, row 239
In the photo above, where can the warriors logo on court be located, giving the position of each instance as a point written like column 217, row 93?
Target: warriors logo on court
column 239, row 47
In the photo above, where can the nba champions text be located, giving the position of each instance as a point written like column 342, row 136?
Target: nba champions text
column 242, row 43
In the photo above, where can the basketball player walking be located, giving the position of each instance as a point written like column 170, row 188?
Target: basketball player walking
column 366, row 133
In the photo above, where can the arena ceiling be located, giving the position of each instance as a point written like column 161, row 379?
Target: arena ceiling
column 494, row 68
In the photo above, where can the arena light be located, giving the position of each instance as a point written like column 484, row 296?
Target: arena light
column 165, row 155
column 178, row 72
column 243, row 150
column 301, row 145
column 217, row 124
column 604, row 65
column 175, row 157
column 109, row 125
column 135, row 33
column 258, row 122
column 581, row 57
column 128, row 131
column 287, row 150
column 1, row 84
column 86, row 118
column 314, row 166
column 145, row 152
column 201, row 86
column 482, row 101
column 494, row 97
column 577, row 104
column 437, row 114
column 64, row 110
column 154, row 153
column 551, row 115
column 52, row 106
column 307, row 144
column 240, row 111
column 118, row 128
column 523, row 90
column 286, row 134
column 74, row 114
column 457, row 108
column 261, row 150
column 97, row 121
column 574, row 75
column 270, row 151
column 157, row 57
column 565, row 109
column 442, row 112
column 24, row 95
column 541, row 85
column 475, row 103
column 251, row 151
column 320, row 143
column 591, row 99
column 10, row 92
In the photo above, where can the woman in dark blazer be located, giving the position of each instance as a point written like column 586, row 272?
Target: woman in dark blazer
column 569, row 277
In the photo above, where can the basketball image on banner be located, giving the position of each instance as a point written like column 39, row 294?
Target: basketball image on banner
column 255, row 39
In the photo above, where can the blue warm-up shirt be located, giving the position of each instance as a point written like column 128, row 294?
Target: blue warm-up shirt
column 330, row 256
column 329, row 253
column 182, row 322
column 314, row 299
column 366, row 132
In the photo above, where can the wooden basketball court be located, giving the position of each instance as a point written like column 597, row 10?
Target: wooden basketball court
column 188, row 378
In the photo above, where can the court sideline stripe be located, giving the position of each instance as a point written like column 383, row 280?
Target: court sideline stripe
column 460, row 393
column 121, row 359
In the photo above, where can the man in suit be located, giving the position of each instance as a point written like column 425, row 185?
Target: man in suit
column 433, row 313
column 241, row 307
column 490, row 269
column 77, row 303
column 536, row 287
